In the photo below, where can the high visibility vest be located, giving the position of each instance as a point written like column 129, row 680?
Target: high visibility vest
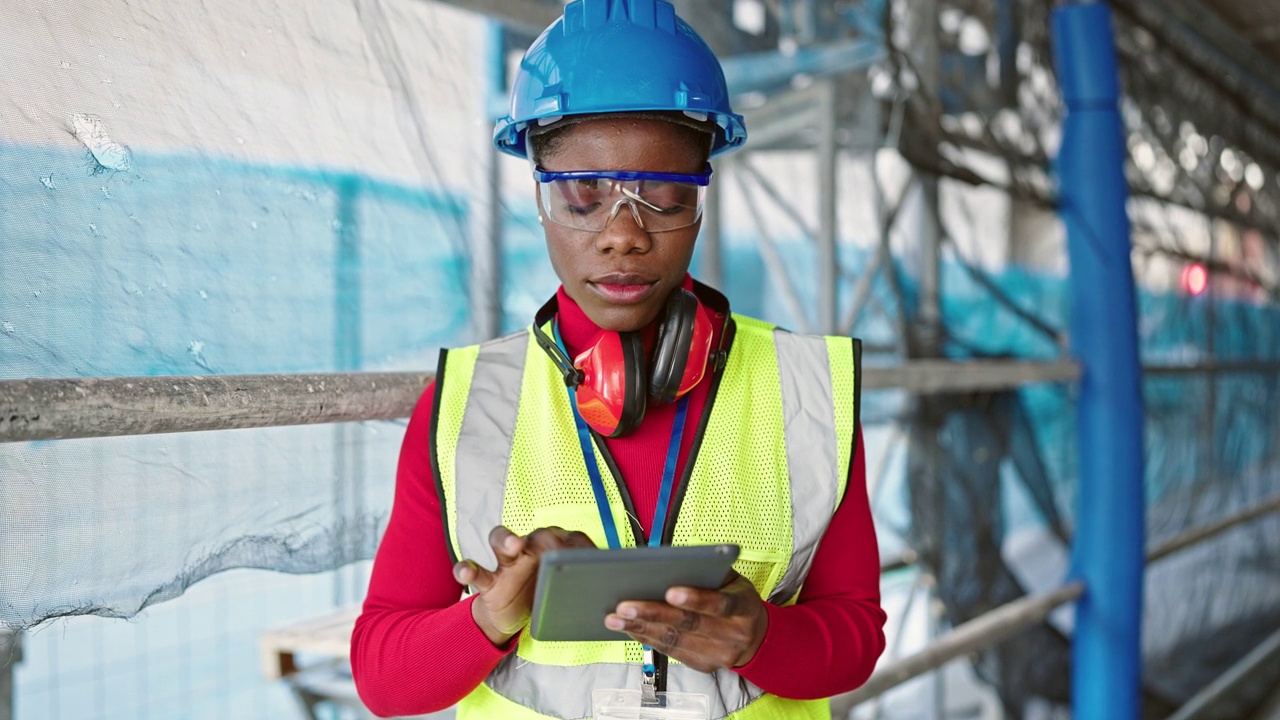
column 768, row 469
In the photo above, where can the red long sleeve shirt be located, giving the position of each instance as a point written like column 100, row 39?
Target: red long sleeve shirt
column 416, row 648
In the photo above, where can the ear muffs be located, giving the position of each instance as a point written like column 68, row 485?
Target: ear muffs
column 671, row 346
column 626, row 399
column 610, row 390
column 612, row 381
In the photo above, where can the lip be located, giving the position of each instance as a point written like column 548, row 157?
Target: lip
column 623, row 288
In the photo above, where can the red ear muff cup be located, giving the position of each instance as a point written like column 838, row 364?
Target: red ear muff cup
column 699, row 352
column 671, row 350
column 612, row 395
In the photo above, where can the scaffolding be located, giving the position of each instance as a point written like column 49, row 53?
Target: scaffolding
column 871, row 84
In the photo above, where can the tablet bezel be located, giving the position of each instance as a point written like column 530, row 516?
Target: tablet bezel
column 577, row 587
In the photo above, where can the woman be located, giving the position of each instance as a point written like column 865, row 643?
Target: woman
column 619, row 106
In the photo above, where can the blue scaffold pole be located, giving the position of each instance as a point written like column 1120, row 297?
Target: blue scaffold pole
column 1108, row 548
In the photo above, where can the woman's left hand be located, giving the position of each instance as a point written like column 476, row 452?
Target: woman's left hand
column 704, row 629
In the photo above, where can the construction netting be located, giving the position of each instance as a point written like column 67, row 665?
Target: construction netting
column 191, row 188
column 1205, row 193
column 277, row 187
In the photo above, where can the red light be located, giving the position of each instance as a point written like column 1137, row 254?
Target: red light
column 1195, row 279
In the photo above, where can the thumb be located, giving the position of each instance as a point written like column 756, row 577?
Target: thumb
column 468, row 572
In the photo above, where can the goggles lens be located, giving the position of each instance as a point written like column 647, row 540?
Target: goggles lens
column 589, row 200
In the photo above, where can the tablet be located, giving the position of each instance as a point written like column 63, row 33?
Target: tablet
column 577, row 587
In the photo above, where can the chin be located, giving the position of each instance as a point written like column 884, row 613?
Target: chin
column 621, row 319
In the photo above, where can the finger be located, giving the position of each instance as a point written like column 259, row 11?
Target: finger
column 662, row 614
column 700, row 652
column 506, row 545
column 579, row 540
column 554, row 538
column 468, row 572
column 736, row 599
column 720, row 603
column 546, row 538
column 656, row 634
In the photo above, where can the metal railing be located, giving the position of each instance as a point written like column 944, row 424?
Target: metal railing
column 977, row 634
column 111, row 407
column 994, row 626
column 59, row 409
column 41, row 409
column 46, row 409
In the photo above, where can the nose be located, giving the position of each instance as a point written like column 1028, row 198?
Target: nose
column 622, row 233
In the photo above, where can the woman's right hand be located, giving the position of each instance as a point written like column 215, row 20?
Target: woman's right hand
column 504, row 596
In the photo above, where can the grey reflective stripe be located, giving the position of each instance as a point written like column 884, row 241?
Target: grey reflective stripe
column 729, row 691
column 813, row 460
column 565, row 691
column 484, row 444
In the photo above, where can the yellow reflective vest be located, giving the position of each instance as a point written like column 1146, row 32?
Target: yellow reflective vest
column 768, row 470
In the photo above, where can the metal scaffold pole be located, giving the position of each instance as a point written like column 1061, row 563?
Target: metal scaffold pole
column 486, row 214
column 828, row 233
column 1108, row 545
column 348, row 450
column 926, row 328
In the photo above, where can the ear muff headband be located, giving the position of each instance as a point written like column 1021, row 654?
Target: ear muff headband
column 671, row 351
column 572, row 375
column 636, row 393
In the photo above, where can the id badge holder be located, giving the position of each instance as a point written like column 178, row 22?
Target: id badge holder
column 631, row 705
column 647, row 703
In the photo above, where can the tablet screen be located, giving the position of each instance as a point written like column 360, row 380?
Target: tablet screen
column 577, row 587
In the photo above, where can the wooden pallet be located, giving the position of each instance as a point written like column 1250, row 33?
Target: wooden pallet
column 327, row 636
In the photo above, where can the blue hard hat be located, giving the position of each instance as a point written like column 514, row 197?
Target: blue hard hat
column 618, row 56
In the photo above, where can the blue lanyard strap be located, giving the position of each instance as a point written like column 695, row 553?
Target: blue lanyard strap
column 589, row 457
column 597, row 482
column 648, row 669
column 668, row 473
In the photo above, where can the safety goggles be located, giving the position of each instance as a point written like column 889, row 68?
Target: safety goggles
column 590, row 199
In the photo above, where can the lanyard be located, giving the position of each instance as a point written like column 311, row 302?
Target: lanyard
column 649, row 670
column 597, row 481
